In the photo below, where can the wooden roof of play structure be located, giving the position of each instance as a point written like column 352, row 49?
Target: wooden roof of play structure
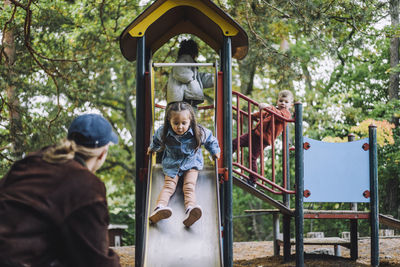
column 165, row 19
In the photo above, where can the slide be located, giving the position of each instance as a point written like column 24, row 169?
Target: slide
column 169, row 242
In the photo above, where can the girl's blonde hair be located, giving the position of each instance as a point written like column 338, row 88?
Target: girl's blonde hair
column 66, row 149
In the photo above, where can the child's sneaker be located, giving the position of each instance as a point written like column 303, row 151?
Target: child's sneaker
column 160, row 213
column 192, row 215
column 251, row 183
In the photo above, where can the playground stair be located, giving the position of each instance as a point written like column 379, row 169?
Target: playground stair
column 259, row 194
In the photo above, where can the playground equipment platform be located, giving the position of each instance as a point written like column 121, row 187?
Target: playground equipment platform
column 259, row 194
column 334, row 241
column 334, row 214
column 169, row 242
column 325, row 214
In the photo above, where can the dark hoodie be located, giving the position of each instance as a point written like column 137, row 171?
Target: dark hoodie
column 53, row 215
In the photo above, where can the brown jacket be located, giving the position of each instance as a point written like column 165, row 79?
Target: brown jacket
column 54, row 215
column 267, row 125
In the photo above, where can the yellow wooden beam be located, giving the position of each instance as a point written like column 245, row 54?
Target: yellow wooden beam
column 139, row 30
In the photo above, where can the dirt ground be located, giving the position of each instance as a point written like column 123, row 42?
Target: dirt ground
column 260, row 254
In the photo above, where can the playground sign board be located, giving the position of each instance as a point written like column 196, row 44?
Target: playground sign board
column 336, row 172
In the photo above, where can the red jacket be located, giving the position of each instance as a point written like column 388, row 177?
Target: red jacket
column 54, row 215
column 267, row 124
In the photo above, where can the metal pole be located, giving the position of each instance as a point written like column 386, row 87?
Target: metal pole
column 373, row 180
column 183, row 64
column 140, row 125
column 286, row 201
column 286, row 197
column 353, row 223
column 228, row 225
column 299, row 180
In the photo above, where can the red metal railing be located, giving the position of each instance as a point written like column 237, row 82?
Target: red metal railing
column 240, row 167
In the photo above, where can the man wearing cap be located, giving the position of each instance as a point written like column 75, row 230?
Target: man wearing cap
column 53, row 208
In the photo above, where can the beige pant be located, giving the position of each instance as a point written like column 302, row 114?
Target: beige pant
column 189, row 185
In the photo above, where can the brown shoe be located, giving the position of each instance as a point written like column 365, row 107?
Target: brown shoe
column 160, row 213
column 192, row 215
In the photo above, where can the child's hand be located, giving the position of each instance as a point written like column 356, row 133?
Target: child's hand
column 263, row 105
column 216, row 156
column 149, row 151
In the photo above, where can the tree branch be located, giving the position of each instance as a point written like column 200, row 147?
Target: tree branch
column 3, row 35
column 101, row 19
column 258, row 37
column 285, row 15
column 27, row 29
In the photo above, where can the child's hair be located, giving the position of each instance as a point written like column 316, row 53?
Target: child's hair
column 188, row 47
column 177, row 107
column 286, row 93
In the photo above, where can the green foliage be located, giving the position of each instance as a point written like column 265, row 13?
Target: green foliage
column 329, row 53
column 249, row 226
column 68, row 63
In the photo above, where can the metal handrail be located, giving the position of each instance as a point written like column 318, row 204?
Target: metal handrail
column 183, row 65
column 200, row 107
column 239, row 163
column 256, row 103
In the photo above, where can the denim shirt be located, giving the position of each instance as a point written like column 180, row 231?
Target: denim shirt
column 180, row 154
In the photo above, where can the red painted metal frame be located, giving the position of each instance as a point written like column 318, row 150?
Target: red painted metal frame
column 240, row 162
column 220, row 120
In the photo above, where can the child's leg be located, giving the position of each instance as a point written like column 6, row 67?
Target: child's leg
column 167, row 191
column 189, row 187
column 256, row 151
column 244, row 142
column 161, row 210
column 193, row 211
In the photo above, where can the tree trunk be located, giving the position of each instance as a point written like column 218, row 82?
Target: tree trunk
column 391, row 199
column 394, row 51
column 307, row 76
column 393, row 183
column 247, row 71
column 13, row 102
column 254, row 222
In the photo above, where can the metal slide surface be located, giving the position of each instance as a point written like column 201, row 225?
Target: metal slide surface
column 169, row 243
